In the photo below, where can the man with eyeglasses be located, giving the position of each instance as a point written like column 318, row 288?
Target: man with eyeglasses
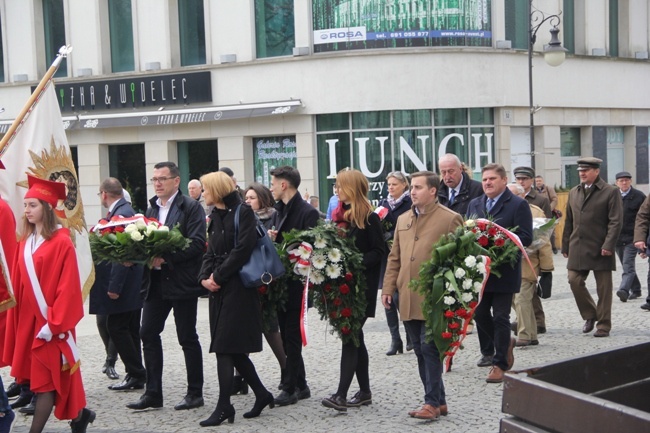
column 457, row 189
column 172, row 284
column 594, row 215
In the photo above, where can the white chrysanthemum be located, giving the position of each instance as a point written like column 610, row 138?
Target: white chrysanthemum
column 477, row 286
column 302, row 270
column 467, row 284
column 304, row 253
column 470, row 224
column 481, row 268
column 470, row 261
column 130, row 228
column 136, row 236
column 141, row 225
column 467, row 297
column 318, row 261
column 449, row 300
column 316, row 277
column 320, row 243
column 332, row 271
column 334, row 255
column 460, row 273
column 163, row 228
column 150, row 229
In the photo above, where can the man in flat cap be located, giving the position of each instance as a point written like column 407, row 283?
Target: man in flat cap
column 630, row 287
column 594, row 216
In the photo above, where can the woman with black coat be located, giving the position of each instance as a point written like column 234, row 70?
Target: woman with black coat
column 235, row 314
column 355, row 213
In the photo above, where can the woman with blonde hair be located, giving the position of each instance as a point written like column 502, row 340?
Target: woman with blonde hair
column 40, row 340
column 235, row 314
column 356, row 214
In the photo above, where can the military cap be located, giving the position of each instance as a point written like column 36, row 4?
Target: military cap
column 623, row 174
column 524, row 172
column 589, row 162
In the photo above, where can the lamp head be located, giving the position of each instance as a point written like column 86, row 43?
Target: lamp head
column 555, row 53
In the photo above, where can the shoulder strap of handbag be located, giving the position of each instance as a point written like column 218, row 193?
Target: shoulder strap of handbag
column 237, row 223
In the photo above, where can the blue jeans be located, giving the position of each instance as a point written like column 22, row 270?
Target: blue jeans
column 629, row 280
column 429, row 364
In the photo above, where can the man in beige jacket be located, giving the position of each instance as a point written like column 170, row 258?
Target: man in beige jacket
column 415, row 233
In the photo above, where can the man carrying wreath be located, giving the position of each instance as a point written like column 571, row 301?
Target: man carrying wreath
column 416, row 232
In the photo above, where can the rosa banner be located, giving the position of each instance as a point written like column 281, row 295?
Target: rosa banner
column 330, row 268
column 136, row 239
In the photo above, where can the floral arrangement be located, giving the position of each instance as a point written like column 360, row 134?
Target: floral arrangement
column 136, row 239
column 542, row 230
column 328, row 261
column 272, row 298
column 452, row 281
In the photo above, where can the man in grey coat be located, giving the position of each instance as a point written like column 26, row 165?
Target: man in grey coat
column 594, row 216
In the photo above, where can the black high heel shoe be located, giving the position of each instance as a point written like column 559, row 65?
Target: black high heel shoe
column 239, row 386
column 395, row 347
column 220, row 415
column 259, row 406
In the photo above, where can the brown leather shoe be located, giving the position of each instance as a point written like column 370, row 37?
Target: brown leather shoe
column 443, row 410
column 523, row 343
column 495, row 375
column 601, row 333
column 511, row 352
column 427, row 412
column 589, row 326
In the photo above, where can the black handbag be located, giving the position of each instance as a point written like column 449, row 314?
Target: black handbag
column 264, row 264
column 545, row 285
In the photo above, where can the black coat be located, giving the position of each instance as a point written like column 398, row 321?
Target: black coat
column 469, row 190
column 235, row 311
column 179, row 272
column 509, row 212
column 116, row 278
column 631, row 204
column 296, row 214
column 370, row 242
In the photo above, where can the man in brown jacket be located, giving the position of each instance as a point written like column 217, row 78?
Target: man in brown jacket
column 593, row 222
column 415, row 233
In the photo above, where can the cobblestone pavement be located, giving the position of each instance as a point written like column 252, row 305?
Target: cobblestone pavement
column 474, row 405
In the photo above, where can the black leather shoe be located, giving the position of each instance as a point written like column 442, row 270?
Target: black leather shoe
column 646, row 306
column 190, row 402
column 111, row 373
column 541, row 329
column 303, row 393
column 622, row 295
column 127, row 384
column 260, row 404
column 513, row 327
column 146, row 402
column 409, row 346
column 589, row 325
column 220, row 415
column 22, row 400
column 335, row 402
column 485, row 361
column 395, row 348
column 360, row 399
column 80, row 426
column 13, row 390
column 634, row 296
column 285, row 398
column 30, row 408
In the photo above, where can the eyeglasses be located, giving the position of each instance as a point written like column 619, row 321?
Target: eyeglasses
column 397, row 175
column 161, row 179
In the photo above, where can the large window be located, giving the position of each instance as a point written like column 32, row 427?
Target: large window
column 516, row 19
column 570, row 151
column 274, row 28
column 121, row 28
column 54, row 30
column 126, row 162
column 191, row 27
column 196, row 158
column 272, row 152
column 379, row 142
column 613, row 28
column 615, row 153
column 568, row 26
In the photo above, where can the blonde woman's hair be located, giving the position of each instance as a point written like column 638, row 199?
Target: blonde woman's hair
column 354, row 186
column 219, row 184
column 50, row 223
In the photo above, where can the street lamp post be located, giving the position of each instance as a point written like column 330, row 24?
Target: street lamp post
column 554, row 55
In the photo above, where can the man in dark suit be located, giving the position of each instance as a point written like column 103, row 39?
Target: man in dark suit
column 292, row 213
column 509, row 211
column 117, row 289
column 457, row 189
column 594, row 214
column 172, row 284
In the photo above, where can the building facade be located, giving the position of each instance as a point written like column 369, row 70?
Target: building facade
column 378, row 85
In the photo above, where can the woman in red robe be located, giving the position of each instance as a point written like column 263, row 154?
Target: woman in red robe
column 49, row 306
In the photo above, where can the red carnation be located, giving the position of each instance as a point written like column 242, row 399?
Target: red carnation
column 483, row 241
column 455, row 344
column 106, row 231
column 327, row 287
column 344, row 289
column 337, row 301
column 349, row 276
column 492, row 231
column 262, row 290
column 119, row 229
column 481, row 225
column 473, row 304
column 449, row 314
column 454, row 325
column 499, row 242
column 345, row 330
column 334, row 315
column 346, row 312
column 461, row 312
column 447, row 335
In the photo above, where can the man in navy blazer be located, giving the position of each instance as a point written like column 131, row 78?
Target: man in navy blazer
column 493, row 313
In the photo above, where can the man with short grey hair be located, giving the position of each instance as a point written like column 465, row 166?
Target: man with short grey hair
column 457, row 189
column 195, row 190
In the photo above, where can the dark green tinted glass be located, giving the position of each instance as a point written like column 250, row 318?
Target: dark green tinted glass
column 411, row 118
column 481, row 116
column 191, row 28
column 121, row 29
column 274, row 28
column 451, row 116
column 332, row 122
column 54, row 32
column 371, row 120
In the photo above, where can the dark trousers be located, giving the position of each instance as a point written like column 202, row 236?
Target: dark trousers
column 392, row 319
column 124, row 329
column 429, row 364
column 493, row 323
column 109, row 346
column 354, row 361
column 290, row 330
column 154, row 314
column 629, row 280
